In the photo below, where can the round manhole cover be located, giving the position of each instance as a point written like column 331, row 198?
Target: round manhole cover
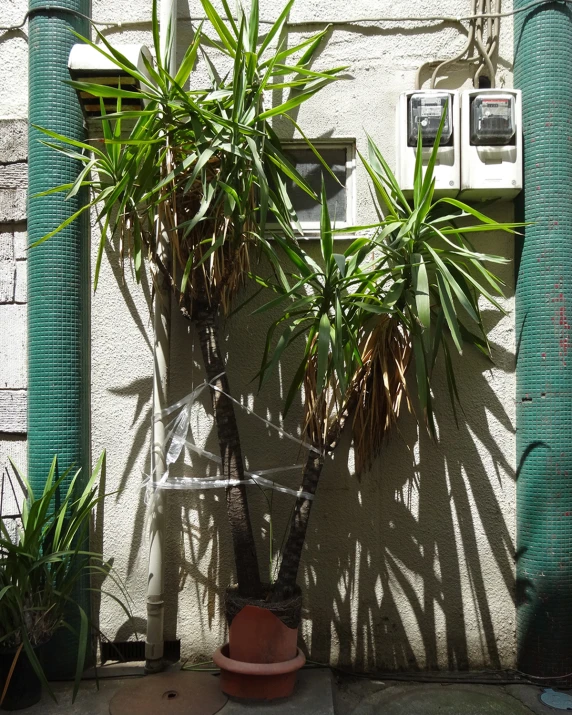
column 179, row 693
column 441, row 700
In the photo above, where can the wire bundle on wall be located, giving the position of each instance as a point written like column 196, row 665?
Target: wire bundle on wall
column 485, row 22
column 458, row 19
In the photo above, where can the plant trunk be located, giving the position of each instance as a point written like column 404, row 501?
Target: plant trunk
column 286, row 582
column 285, row 585
column 246, row 562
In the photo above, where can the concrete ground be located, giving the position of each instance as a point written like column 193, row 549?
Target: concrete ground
column 362, row 696
column 318, row 692
column 313, row 694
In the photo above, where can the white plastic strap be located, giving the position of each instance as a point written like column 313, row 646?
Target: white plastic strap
column 177, row 439
column 280, row 431
column 200, row 483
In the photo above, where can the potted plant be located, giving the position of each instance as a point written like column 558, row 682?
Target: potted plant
column 40, row 567
column 408, row 293
column 205, row 167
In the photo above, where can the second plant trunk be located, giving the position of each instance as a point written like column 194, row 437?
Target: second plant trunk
column 286, row 582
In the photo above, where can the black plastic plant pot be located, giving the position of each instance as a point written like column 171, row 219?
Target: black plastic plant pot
column 25, row 688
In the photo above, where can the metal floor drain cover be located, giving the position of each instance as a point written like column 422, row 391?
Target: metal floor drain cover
column 179, row 693
column 556, row 700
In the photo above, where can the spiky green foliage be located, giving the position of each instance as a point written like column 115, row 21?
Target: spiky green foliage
column 41, row 567
column 410, row 289
column 189, row 181
column 202, row 165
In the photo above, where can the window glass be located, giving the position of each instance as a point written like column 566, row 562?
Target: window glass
column 311, row 171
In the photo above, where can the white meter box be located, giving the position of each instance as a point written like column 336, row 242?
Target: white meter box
column 491, row 144
column 422, row 110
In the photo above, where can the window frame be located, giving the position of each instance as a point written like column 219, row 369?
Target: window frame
column 311, row 229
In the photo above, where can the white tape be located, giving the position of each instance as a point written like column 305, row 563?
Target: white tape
column 176, row 438
column 280, row 431
column 200, row 483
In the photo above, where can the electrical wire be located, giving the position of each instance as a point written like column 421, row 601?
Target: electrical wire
column 479, row 42
column 446, row 63
column 54, row 8
column 440, row 65
column 458, row 19
column 486, row 678
column 568, row 676
column 486, row 21
column 494, row 677
column 492, row 42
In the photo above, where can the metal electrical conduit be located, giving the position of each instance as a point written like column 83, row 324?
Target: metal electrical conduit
column 304, row 23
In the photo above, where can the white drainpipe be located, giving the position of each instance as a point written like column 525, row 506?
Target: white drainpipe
column 162, row 327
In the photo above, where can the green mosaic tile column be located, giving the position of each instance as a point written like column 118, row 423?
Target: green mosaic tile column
column 58, row 273
column 543, row 70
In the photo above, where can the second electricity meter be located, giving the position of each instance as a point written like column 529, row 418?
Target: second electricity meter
column 491, row 144
column 425, row 111
column 493, row 120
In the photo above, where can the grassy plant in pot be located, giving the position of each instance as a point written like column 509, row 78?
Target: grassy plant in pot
column 406, row 294
column 202, row 169
column 40, row 568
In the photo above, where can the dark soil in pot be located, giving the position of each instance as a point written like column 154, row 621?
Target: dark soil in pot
column 288, row 611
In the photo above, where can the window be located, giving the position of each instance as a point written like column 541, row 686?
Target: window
column 340, row 157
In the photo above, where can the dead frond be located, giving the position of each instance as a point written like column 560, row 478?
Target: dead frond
column 374, row 395
column 381, row 384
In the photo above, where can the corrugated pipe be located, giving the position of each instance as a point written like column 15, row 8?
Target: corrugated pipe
column 58, row 275
column 543, row 70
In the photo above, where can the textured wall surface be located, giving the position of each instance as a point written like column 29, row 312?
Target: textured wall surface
column 410, row 567
column 13, row 238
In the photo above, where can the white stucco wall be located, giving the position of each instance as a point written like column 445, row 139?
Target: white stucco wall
column 410, row 567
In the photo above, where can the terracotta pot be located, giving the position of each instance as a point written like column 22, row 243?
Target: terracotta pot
column 261, row 659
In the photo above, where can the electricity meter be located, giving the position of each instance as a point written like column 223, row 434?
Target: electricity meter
column 422, row 109
column 491, row 144
column 426, row 110
column 492, row 119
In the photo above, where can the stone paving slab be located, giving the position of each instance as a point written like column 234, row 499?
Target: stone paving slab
column 312, row 696
column 90, row 700
column 451, row 699
column 529, row 695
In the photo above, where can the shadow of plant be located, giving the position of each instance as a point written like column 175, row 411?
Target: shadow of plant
column 411, row 567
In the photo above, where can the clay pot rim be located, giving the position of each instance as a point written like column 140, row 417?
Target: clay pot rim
column 262, row 669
